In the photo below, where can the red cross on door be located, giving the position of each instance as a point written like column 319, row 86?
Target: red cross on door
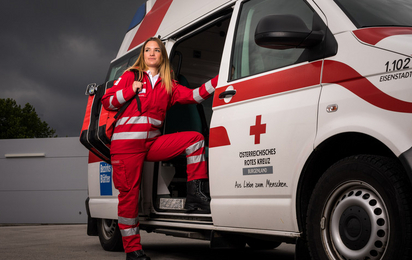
column 258, row 129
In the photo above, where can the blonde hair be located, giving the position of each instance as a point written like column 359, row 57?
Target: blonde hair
column 164, row 67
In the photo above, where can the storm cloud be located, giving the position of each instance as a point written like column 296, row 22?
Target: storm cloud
column 50, row 50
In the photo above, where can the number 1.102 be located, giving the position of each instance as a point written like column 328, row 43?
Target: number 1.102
column 397, row 64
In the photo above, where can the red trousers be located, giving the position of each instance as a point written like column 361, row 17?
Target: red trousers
column 127, row 169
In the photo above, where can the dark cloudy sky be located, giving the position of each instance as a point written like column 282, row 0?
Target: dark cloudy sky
column 51, row 49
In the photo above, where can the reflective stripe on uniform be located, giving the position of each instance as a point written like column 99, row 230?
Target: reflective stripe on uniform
column 196, row 92
column 122, row 121
column 194, row 147
column 209, row 87
column 196, row 96
column 129, row 135
column 145, row 120
column 120, row 98
column 130, row 232
column 155, row 122
column 111, row 103
column 128, row 221
column 137, row 120
column 195, row 159
column 135, row 135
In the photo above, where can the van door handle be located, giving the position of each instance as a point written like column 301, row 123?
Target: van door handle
column 227, row 93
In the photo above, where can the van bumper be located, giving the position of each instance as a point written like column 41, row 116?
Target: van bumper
column 406, row 160
column 91, row 222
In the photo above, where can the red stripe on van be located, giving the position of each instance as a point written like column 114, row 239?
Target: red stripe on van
column 347, row 77
column 375, row 35
column 218, row 137
column 291, row 79
column 151, row 22
column 309, row 75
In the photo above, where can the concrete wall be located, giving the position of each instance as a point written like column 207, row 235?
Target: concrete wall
column 43, row 180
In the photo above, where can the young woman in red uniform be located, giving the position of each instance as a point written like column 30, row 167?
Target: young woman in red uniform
column 137, row 137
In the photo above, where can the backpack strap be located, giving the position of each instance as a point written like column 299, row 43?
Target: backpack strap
column 139, row 105
column 137, row 78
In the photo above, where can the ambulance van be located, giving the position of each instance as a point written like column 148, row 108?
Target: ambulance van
column 309, row 131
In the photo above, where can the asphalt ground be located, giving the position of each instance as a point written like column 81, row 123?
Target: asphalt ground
column 71, row 242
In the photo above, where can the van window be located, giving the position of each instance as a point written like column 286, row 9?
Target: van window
column 369, row 13
column 248, row 58
column 117, row 69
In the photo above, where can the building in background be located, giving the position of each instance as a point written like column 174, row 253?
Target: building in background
column 43, row 180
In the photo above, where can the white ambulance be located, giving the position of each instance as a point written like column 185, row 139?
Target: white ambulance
column 309, row 132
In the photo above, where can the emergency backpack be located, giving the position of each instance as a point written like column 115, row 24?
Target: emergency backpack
column 99, row 123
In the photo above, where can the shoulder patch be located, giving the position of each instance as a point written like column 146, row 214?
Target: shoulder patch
column 117, row 81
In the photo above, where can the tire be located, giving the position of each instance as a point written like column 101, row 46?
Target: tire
column 259, row 244
column 361, row 209
column 109, row 235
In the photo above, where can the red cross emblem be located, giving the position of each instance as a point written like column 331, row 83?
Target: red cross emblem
column 258, row 129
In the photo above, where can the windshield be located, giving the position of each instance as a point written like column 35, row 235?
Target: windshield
column 376, row 13
column 119, row 67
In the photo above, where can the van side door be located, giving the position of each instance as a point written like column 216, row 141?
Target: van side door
column 264, row 120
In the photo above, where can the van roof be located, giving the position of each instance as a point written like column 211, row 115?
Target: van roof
column 164, row 17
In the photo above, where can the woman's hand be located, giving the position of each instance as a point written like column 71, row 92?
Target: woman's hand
column 137, row 86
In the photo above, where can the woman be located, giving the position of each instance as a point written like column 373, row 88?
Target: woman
column 137, row 137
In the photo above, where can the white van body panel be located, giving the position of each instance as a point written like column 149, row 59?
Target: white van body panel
column 236, row 193
column 337, row 21
column 400, row 43
column 101, row 206
column 356, row 114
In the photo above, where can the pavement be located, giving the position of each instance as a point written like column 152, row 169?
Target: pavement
column 71, row 242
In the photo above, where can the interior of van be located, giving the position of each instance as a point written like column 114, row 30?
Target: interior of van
column 195, row 59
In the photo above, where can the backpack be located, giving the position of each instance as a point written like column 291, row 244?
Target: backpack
column 99, row 123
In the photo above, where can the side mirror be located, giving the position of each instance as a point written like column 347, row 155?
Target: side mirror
column 91, row 89
column 285, row 32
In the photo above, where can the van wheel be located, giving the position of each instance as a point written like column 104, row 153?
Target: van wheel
column 109, row 235
column 361, row 209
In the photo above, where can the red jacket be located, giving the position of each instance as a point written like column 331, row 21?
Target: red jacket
column 133, row 129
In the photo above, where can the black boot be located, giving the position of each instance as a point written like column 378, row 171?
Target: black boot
column 137, row 255
column 196, row 198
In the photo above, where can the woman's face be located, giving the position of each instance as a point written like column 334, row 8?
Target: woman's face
column 152, row 54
